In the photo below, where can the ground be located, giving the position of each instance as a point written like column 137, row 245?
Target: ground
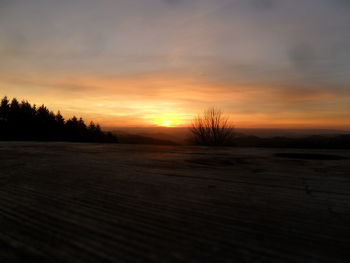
column 75, row 202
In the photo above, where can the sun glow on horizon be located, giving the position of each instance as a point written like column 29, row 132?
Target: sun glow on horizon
column 165, row 123
column 168, row 122
column 167, row 119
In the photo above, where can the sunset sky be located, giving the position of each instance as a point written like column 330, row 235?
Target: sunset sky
column 267, row 63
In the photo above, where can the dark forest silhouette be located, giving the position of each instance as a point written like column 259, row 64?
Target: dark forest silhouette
column 23, row 121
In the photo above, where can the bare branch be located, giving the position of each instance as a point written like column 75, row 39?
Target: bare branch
column 212, row 128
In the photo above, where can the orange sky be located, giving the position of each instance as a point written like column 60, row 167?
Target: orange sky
column 269, row 64
column 171, row 100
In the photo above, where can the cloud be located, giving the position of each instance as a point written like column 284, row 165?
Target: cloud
column 4, row 4
column 174, row 2
column 302, row 56
column 340, row 3
column 264, row 4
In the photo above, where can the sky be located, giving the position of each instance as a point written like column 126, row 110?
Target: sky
column 266, row 63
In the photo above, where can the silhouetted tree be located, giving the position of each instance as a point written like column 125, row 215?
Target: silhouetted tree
column 4, row 108
column 4, row 113
column 59, row 119
column 22, row 121
column 212, row 128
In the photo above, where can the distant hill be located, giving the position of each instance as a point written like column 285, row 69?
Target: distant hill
column 174, row 135
column 312, row 142
column 293, row 133
column 288, row 138
column 128, row 138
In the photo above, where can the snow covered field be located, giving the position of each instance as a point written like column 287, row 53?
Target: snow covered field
column 80, row 202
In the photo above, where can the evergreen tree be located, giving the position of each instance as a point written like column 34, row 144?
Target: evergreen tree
column 22, row 121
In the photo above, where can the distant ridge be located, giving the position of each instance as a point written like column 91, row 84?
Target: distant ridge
column 177, row 132
column 269, row 138
column 129, row 138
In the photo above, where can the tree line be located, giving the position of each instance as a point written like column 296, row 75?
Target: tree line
column 23, row 121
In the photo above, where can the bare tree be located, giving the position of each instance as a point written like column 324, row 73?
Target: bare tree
column 212, row 128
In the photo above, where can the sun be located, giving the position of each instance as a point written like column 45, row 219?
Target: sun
column 167, row 120
column 165, row 123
